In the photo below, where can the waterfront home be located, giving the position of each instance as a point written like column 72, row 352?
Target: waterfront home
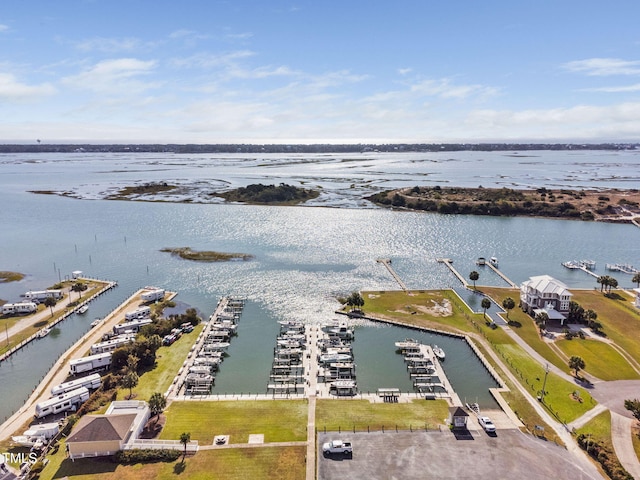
column 103, row 435
column 545, row 294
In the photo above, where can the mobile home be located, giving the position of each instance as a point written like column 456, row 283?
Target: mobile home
column 152, row 295
column 92, row 362
column 41, row 295
column 90, row 382
column 62, row 403
column 142, row 312
column 20, row 307
column 133, row 326
column 111, row 345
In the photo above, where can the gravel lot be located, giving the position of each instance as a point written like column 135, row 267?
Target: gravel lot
column 509, row 454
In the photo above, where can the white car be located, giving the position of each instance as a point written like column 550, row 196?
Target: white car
column 487, row 424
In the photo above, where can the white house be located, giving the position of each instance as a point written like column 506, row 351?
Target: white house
column 545, row 294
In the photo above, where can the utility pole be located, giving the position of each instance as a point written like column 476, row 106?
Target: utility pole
column 544, row 383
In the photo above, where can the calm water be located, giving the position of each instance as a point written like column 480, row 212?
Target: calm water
column 304, row 256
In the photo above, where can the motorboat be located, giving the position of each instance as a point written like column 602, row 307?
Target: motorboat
column 438, row 352
column 44, row 332
column 83, row 309
column 494, row 261
column 96, row 322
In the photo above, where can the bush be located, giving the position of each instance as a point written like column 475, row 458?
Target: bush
column 129, row 457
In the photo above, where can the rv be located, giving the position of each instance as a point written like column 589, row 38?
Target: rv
column 153, row 295
column 133, row 326
column 142, row 312
column 90, row 382
column 92, row 362
column 111, row 345
column 62, row 403
column 20, row 307
column 41, row 295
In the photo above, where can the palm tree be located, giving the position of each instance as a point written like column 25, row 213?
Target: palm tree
column 157, row 404
column 590, row 316
column 78, row 287
column 473, row 276
column 185, row 438
column 613, row 283
column 603, row 281
column 508, row 304
column 485, row 304
column 130, row 380
column 576, row 363
column 541, row 320
column 636, row 280
column 50, row 302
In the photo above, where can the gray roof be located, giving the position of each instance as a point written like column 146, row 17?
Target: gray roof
column 100, row 428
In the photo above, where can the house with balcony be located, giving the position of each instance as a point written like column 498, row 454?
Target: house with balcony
column 545, row 294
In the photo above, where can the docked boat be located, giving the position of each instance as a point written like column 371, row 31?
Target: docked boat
column 44, row 332
column 83, row 309
column 494, row 261
column 438, row 352
column 481, row 261
column 96, row 322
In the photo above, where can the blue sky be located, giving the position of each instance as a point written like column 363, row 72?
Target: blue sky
column 347, row 71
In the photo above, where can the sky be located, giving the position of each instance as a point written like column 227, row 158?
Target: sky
column 322, row 71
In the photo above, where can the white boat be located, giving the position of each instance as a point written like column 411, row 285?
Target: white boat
column 96, row 322
column 44, row 332
column 494, row 261
column 83, row 309
column 438, row 352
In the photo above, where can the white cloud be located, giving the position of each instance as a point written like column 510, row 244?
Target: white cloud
column 404, row 71
column 112, row 45
column 207, row 60
column 3, row 28
column 618, row 89
column 13, row 90
column 604, row 66
column 116, row 76
column 443, row 88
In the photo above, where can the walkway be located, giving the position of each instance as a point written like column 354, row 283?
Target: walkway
column 449, row 263
column 501, row 275
column 387, row 263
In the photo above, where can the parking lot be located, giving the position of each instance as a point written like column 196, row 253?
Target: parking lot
column 509, row 454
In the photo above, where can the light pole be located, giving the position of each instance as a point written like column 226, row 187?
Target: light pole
column 544, row 383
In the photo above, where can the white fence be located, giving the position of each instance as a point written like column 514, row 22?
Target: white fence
column 192, row 446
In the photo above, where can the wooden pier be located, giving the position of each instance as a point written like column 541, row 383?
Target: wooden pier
column 387, row 263
column 449, row 263
column 501, row 275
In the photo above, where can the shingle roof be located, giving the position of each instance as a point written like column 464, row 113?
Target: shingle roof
column 458, row 412
column 98, row 428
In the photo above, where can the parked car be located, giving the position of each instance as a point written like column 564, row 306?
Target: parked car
column 337, row 446
column 487, row 424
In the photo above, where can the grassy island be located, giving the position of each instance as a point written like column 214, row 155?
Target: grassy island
column 610, row 205
column 204, row 256
column 6, row 277
column 259, row 194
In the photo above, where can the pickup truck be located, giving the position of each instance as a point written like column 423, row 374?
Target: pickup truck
column 337, row 446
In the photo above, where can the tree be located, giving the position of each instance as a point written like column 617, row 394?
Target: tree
column 603, row 280
column 634, row 407
column 576, row 364
column 613, row 283
column 50, row 302
column 79, row 287
column 485, row 304
column 508, row 304
column 591, row 317
column 473, row 276
column 185, row 438
column 355, row 300
column 541, row 320
column 636, row 280
column 157, row 404
column 130, row 380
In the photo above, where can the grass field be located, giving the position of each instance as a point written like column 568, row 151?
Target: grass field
column 279, row 421
column 169, row 359
column 361, row 415
column 601, row 359
column 262, row 463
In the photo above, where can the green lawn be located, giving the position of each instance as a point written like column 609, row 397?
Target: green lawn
column 332, row 415
column 620, row 320
column 601, row 359
column 168, row 362
column 279, row 421
column 263, row 463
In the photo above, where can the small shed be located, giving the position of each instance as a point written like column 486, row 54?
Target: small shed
column 458, row 418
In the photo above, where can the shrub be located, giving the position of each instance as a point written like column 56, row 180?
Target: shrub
column 129, row 457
